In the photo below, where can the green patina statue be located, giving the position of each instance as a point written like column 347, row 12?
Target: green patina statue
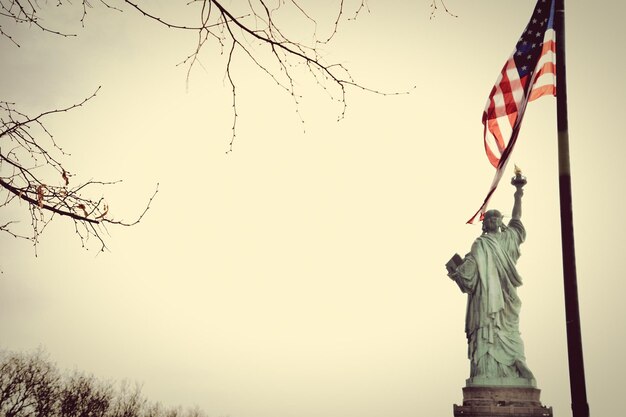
column 489, row 277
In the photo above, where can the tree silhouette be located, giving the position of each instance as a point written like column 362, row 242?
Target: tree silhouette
column 32, row 386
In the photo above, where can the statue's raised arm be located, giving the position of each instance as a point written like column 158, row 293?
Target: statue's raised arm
column 519, row 182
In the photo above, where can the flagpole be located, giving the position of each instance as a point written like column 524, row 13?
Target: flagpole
column 580, row 407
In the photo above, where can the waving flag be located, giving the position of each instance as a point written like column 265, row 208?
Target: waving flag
column 529, row 73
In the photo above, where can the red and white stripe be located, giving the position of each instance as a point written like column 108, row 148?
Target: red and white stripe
column 505, row 108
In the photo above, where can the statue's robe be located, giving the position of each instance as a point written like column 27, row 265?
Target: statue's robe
column 489, row 276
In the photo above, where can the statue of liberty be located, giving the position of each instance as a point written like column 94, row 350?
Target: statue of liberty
column 489, row 277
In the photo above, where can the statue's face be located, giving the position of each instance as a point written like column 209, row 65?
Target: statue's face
column 491, row 223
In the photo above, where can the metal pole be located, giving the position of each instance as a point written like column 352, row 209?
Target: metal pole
column 580, row 407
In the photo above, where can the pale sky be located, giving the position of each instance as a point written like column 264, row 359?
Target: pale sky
column 303, row 273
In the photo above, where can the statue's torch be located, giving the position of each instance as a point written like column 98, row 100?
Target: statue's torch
column 518, row 180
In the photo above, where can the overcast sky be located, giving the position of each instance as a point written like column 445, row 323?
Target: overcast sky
column 302, row 274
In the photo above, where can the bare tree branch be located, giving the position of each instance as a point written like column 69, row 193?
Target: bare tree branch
column 26, row 158
column 258, row 28
column 25, row 12
column 434, row 8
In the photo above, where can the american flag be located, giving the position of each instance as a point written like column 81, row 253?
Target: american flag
column 528, row 74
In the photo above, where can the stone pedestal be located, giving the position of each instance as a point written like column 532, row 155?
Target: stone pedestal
column 501, row 401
